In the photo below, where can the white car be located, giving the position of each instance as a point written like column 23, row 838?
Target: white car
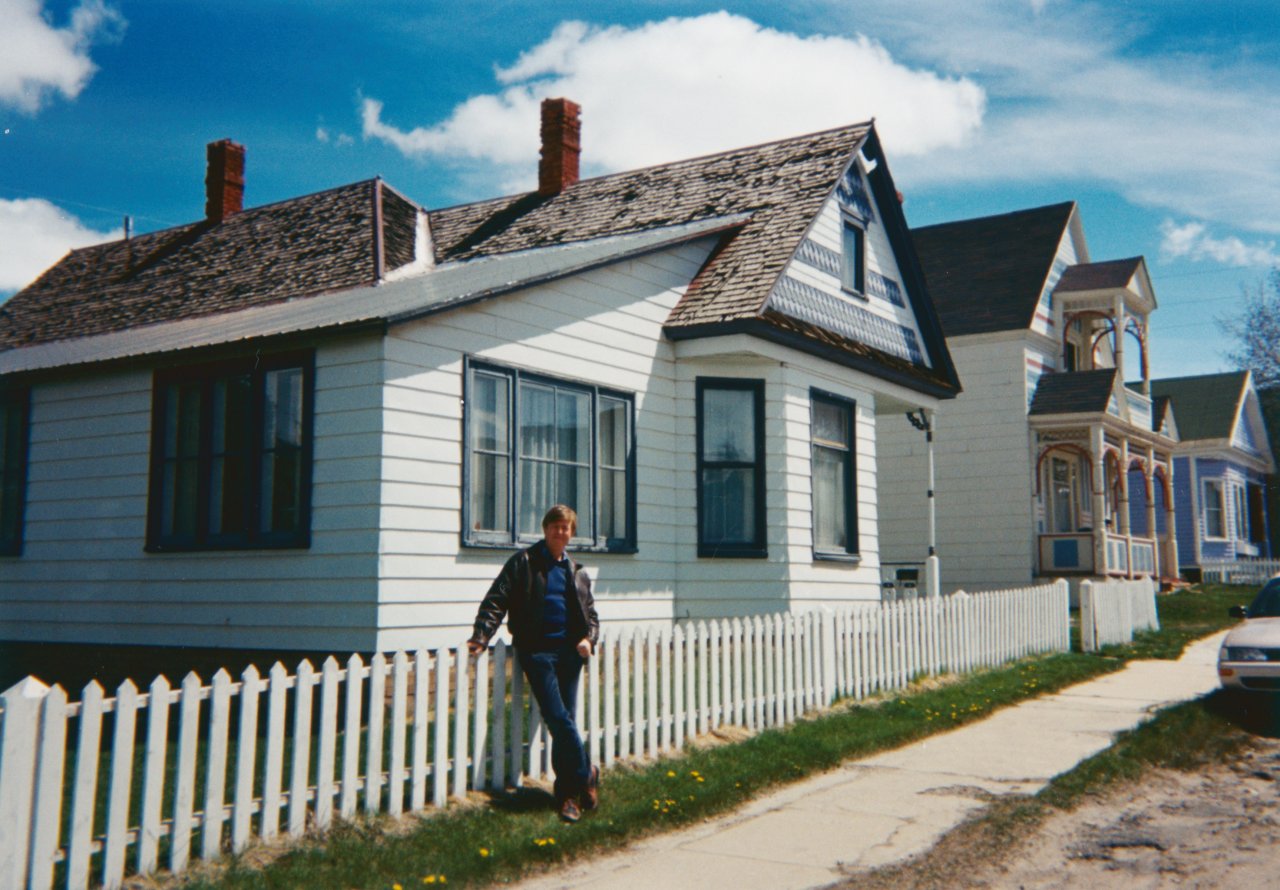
column 1250, row 654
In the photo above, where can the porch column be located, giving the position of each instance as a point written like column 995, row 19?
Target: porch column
column 1117, row 312
column 1152, row 531
column 1099, row 502
column 1122, row 521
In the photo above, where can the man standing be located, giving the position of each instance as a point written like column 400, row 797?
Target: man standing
column 546, row 597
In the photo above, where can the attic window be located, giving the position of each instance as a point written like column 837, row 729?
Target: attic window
column 853, row 273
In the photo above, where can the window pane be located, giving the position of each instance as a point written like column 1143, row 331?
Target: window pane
column 573, row 425
column 489, row 502
column 612, row 501
column 1214, row 526
column 281, row 485
column 613, row 432
column 12, row 473
column 537, row 487
column 537, row 421
column 728, row 425
column 490, row 401
column 728, row 508
column 179, row 505
column 613, row 504
column 490, row 409
column 851, row 274
column 830, row 469
column 229, row 455
column 831, row 423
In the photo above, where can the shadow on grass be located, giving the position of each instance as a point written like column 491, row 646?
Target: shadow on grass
column 1254, row 712
column 521, row 800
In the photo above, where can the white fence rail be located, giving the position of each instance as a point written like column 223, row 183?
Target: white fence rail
column 1112, row 612
column 196, row 770
column 1239, row 571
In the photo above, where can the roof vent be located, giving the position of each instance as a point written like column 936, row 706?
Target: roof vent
column 561, row 145
column 224, row 180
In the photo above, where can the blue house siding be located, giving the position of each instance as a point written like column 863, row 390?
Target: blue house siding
column 1186, row 522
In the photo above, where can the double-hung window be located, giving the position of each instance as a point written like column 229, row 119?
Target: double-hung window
column 835, row 517
column 853, row 260
column 1215, row 525
column 231, row 455
column 730, row 467
column 1240, row 511
column 534, row 441
column 14, row 413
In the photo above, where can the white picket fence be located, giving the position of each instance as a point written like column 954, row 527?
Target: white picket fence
column 405, row 732
column 1111, row 612
column 1239, row 571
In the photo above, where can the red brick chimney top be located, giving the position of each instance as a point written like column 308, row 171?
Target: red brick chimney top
column 224, row 180
column 561, row 145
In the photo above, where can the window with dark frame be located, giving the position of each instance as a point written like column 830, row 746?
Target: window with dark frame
column 730, row 467
column 853, row 272
column 534, row 441
column 231, row 455
column 14, row 434
column 835, row 518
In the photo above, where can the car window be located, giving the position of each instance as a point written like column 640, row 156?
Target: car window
column 1267, row 603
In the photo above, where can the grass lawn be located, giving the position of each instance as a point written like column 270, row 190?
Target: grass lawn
column 516, row 833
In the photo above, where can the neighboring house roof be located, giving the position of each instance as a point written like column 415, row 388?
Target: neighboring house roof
column 1108, row 275
column 1077, row 392
column 762, row 200
column 1207, row 405
column 987, row 274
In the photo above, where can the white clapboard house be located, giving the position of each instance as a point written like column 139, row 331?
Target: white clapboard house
column 1048, row 464
column 324, row 423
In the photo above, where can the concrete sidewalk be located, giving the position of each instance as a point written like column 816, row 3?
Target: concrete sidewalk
column 887, row 807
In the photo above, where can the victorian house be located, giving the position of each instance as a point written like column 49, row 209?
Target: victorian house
column 1048, row 464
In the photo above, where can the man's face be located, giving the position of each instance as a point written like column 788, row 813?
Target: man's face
column 558, row 534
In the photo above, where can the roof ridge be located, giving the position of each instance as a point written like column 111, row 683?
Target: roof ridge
column 663, row 165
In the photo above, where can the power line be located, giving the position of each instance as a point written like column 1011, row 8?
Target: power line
column 53, row 199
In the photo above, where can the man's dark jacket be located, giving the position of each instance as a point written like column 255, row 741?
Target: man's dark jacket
column 519, row 592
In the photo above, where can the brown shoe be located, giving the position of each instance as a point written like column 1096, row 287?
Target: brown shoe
column 569, row 811
column 591, row 793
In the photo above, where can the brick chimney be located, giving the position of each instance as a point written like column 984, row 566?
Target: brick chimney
column 561, row 145
column 224, row 180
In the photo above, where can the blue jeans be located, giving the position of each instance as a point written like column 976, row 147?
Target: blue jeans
column 553, row 679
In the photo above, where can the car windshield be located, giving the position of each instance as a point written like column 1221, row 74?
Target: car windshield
column 1267, row 603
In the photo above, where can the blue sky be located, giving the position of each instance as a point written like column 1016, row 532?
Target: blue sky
column 1160, row 118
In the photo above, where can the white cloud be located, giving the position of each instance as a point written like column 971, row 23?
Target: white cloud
column 38, row 59
column 688, row 86
column 34, row 235
column 1193, row 241
column 1075, row 93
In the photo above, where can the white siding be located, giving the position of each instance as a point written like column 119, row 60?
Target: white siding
column 84, row 576
column 983, row 472
column 602, row 327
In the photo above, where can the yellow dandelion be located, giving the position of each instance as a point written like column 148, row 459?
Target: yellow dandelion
column 671, row 774
column 429, row 879
column 700, row 779
column 396, row 887
column 484, row 851
column 694, row 773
